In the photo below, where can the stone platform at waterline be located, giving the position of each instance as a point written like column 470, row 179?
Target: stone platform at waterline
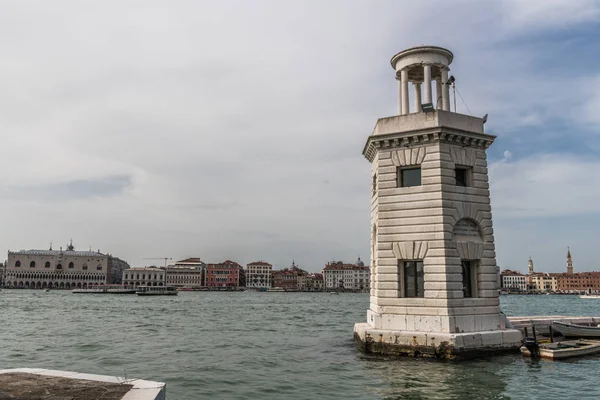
column 38, row 384
column 438, row 345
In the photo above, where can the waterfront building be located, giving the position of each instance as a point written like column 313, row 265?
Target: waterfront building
column 144, row 276
column 434, row 284
column 354, row 277
column 315, row 283
column 292, row 278
column 285, row 279
column 185, row 276
column 190, row 272
column 543, row 282
column 62, row 269
column 578, row 282
column 227, row 274
column 514, row 281
column 259, row 275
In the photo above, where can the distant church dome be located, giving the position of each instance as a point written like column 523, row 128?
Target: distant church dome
column 360, row 263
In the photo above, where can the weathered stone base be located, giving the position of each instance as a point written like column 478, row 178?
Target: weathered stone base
column 438, row 345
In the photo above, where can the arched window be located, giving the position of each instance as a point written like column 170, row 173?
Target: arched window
column 59, row 266
column 99, row 267
column 32, row 264
column 85, row 267
column 17, row 263
column 71, row 265
column 47, row 265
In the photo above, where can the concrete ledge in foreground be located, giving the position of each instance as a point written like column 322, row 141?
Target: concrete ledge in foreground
column 438, row 345
column 37, row 383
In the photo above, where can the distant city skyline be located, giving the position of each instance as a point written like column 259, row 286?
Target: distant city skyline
column 234, row 130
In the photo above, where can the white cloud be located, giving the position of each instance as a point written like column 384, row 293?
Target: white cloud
column 548, row 14
column 229, row 116
column 547, row 185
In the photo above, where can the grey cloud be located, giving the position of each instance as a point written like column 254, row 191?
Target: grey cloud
column 217, row 123
column 70, row 190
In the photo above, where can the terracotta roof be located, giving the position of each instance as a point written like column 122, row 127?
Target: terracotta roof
column 190, row 260
column 340, row 265
column 260, row 263
column 511, row 272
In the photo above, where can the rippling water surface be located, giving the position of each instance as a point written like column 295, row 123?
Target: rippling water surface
column 267, row 345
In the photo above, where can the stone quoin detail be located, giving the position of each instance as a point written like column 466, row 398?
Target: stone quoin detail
column 434, row 283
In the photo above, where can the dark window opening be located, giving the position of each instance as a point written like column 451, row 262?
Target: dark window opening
column 32, row 264
column 414, row 280
column 17, row 263
column 467, row 278
column 71, row 265
column 47, row 265
column 462, row 176
column 408, row 177
column 59, row 266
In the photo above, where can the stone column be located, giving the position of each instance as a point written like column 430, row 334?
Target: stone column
column 438, row 93
column 404, row 91
column 417, row 86
column 445, row 90
column 399, row 96
column 427, row 83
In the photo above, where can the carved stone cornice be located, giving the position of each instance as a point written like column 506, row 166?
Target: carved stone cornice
column 425, row 136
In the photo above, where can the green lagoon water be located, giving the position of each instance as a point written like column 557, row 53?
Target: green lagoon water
column 251, row 345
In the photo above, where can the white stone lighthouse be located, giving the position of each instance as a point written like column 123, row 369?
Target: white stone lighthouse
column 434, row 286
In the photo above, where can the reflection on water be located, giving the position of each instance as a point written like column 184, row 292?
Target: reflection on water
column 425, row 379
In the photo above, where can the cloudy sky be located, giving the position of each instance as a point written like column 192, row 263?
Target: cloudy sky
column 234, row 129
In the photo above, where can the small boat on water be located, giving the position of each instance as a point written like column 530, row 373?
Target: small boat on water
column 156, row 291
column 589, row 296
column 334, row 293
column 276, row 289
column 106, row 289
column 563, row 349
column 578, row 331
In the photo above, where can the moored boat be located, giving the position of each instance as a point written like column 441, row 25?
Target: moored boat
column 578, row 331
column 107, row 289
column 156, row 291
column 564, row 349
column 589, row 296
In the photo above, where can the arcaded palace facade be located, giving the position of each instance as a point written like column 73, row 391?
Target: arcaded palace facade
column 62, row 269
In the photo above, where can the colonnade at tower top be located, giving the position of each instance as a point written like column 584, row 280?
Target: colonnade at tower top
column 421, row 66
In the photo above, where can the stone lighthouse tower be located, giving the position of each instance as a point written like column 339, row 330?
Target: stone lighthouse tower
column 434, row 289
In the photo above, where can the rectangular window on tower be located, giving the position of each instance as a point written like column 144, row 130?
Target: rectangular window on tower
column 412, row 279
column 469, row 278
column 408, row 177
column 463, row 176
